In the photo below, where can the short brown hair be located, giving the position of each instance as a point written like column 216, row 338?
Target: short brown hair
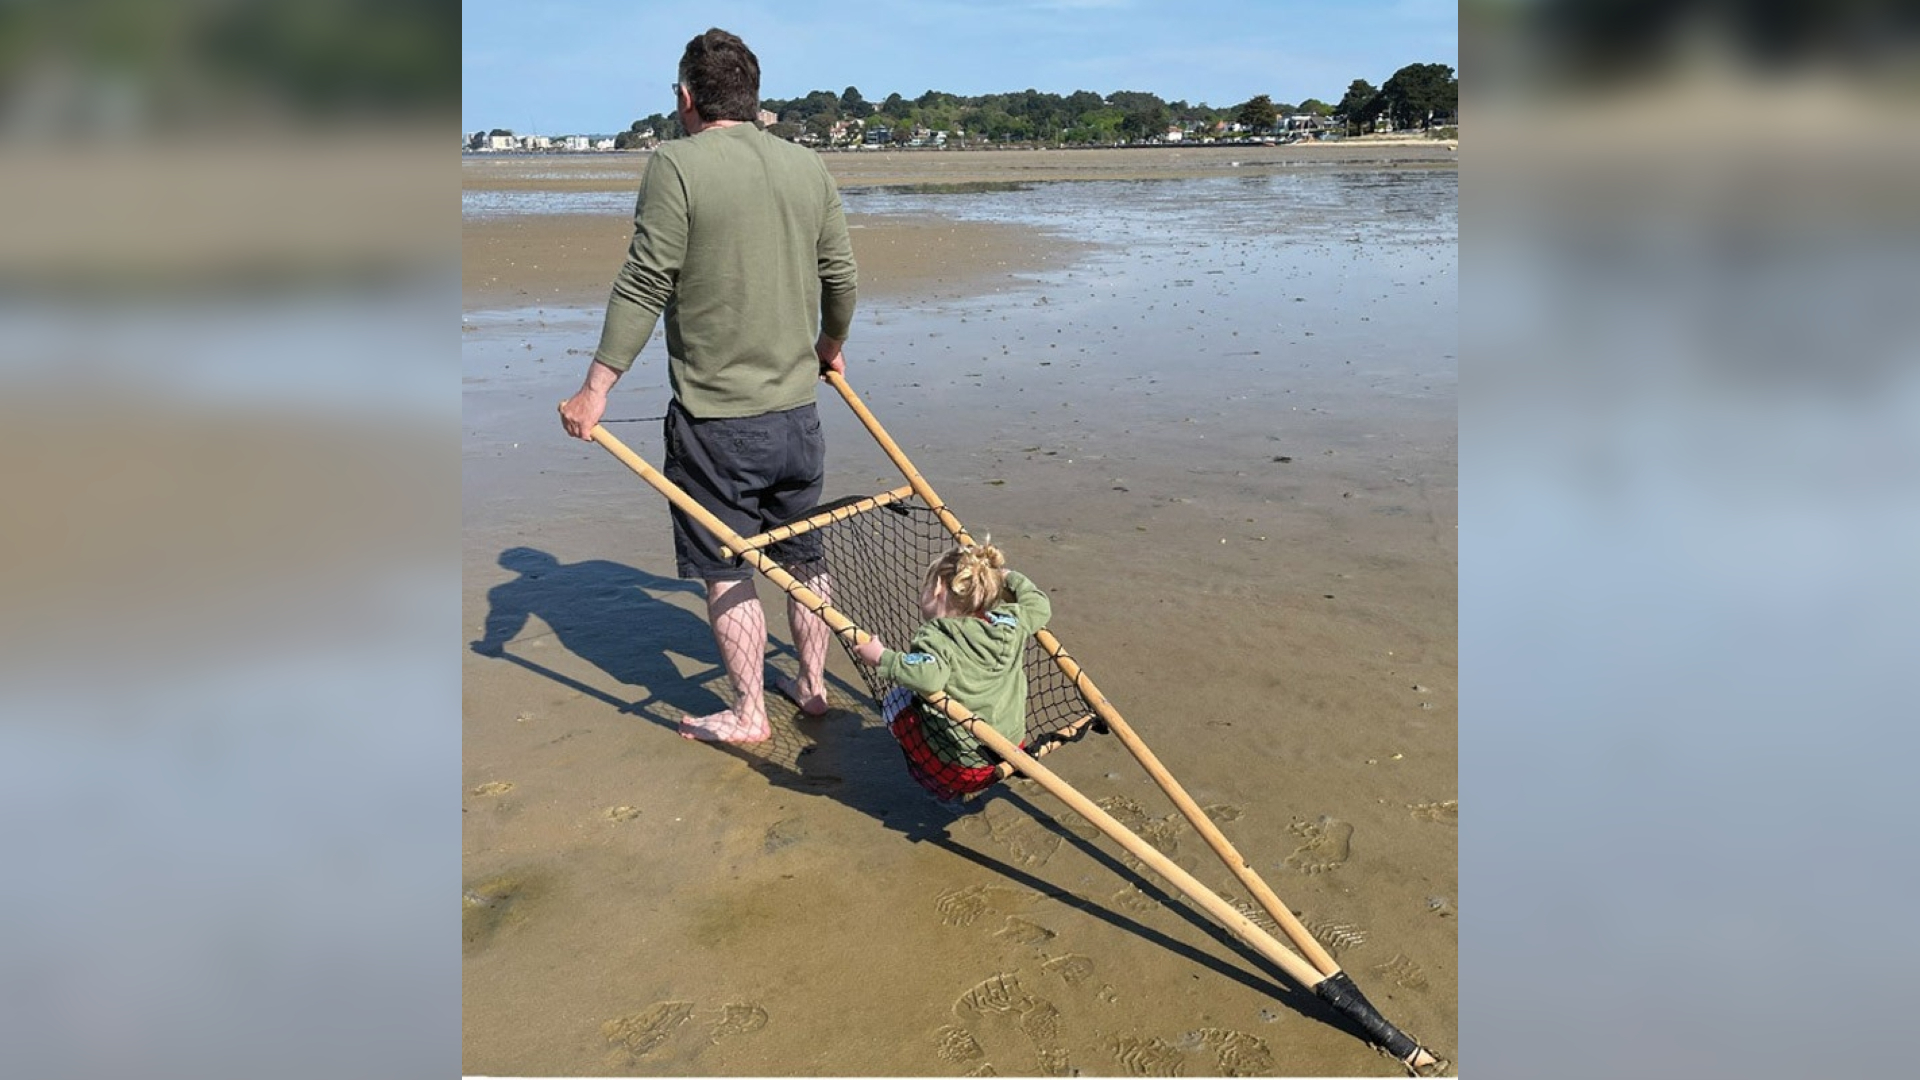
column 723, row 76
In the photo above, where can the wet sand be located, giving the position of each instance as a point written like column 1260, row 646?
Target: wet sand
column 1243, row 506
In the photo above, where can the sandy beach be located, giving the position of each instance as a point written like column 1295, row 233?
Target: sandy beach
column 1205, row 398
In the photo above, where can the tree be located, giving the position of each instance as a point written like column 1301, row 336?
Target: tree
column 1144, row 121
column 1081, row 102
column 1316, row 107
column 1360, row 105
column 1257, row 113
column 852, row 105
column 501, row 131
column 664, row 127
column 1420, row 93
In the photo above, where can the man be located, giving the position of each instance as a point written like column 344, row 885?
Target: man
column 739, row 239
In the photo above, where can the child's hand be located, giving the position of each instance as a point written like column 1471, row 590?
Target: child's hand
column 869, row 651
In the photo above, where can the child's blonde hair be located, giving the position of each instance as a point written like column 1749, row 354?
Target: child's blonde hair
column 974, row 576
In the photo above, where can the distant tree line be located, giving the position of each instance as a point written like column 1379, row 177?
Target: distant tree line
column 1416, row 96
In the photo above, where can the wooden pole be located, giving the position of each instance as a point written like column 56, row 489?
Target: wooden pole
column 1333, row 987
column 1241, row 926
column 899, row 458
column 1202, row 824
column 838, row 513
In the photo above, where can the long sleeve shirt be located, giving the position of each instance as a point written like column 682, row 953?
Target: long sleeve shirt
column 739, row 240
column 978, row 660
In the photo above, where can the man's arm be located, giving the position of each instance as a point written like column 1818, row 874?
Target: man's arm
column 839, row 280
column 639, row 294
column 654, row 259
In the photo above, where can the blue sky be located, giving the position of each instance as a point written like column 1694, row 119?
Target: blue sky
column 595, row 66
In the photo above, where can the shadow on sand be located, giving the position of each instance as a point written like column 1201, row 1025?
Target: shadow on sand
column 622, row 620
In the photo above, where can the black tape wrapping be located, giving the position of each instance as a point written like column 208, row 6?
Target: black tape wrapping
column 1338, row 991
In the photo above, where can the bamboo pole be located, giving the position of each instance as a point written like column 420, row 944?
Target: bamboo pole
column 1204, row 825
column 1335, row 988
column 838, row 513
column 1241, row 926
column 1242, row 870
column 899, row 458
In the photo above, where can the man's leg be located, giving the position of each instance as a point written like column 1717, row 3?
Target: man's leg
column 740, row 629
column 810, row 637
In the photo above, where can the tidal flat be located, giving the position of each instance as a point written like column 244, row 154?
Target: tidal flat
column 1207, row 402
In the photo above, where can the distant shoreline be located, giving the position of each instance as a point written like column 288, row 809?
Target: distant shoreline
column 620, row 170
column 1423, row 146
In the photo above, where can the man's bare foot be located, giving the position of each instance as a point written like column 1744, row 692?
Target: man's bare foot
column 724, row 727
column 814, row 705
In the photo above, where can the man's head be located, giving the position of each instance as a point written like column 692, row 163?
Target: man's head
column 722, row 76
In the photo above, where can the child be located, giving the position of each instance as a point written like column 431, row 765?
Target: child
column 973, row 646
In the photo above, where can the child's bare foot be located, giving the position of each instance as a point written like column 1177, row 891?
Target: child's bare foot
column 724, row 727
column 814, row 704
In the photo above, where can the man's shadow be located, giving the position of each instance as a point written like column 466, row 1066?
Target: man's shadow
column 618, row 619
column 622, row 620
column 615, row 617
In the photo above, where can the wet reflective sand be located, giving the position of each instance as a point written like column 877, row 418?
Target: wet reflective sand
column 1213, row 416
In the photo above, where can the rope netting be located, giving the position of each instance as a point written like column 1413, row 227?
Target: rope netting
column 878, row 557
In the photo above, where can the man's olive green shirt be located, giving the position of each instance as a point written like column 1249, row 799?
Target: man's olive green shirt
column 740, row 241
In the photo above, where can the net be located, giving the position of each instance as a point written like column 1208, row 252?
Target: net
column 878, row 555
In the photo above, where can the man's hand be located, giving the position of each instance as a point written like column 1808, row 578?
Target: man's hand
column 582, row 412
column 869, row 651
column 828, row 350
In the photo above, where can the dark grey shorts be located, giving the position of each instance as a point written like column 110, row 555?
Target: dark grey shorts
column 751, row 472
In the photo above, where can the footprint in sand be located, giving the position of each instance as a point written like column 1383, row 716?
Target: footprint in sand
column 643, row 1032
column 960, row 907
column 620, row 813
column 1029, row 841
column 1440, row 813
column 1329, row 844
column 998, row 994
column 1251, row 911
column 998, row 1008
column 956, row 1045
column 1134, row 898
column 1338, row 937
column 737, row 1018
column 1024, row 932
column 964, row 906
column 1403, row 971
column 494, row 787
column 491, row 906
column 1164, row 834
column 1221, row 813
column 1237, row 1053
column 1072, row 968
column 1147, row 1057
column 783, row 834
